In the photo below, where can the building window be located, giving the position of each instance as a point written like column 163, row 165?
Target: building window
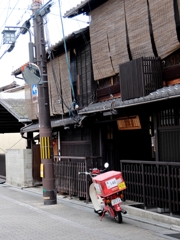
column 169, row 117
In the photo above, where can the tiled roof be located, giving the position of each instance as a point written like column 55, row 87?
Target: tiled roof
column 70, row 37
column 17, row 107
column 159, row 95
column 55, row 123
column 84, row 7
column 74, row 10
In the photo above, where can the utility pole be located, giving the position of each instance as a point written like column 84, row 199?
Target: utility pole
column 47, row 165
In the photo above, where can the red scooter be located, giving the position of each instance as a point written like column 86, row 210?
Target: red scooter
column 106, row 192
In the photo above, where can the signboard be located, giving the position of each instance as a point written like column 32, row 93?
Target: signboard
column 129, row 123
column 34, row 93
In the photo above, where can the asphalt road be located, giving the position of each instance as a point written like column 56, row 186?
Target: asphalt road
column 24, row 216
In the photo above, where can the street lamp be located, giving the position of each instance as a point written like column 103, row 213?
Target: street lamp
column 9, row 36
column 30, row 71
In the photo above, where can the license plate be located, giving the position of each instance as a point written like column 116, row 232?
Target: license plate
column 115, row 201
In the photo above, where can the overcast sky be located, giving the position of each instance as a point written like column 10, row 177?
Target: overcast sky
column 15, row 12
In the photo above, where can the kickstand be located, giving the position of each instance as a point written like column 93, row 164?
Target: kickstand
column 102, row 215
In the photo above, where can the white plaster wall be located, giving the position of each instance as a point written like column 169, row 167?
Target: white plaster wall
column 11, row 141
column 19, row 167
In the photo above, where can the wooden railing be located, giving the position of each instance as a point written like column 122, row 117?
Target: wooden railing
column 67, row 179
column 155, row 184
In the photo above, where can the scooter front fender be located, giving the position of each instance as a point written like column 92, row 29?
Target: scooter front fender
column 96, row 200
column 117, row 207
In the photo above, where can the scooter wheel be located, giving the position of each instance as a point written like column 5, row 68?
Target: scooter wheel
column 118, row 217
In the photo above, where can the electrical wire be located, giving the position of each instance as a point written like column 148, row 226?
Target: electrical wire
column 15, row 143
column 20, row 19
column 33, row 16
column 10, row 13
column 65, row 47
column 51, row 56
column 7, row 13
column 3, row 150
column 3, row 12
column 72, row 114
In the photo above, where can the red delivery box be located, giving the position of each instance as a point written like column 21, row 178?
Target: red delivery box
column 108, row 183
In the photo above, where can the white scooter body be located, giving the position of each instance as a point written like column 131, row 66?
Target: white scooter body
column 96, row 200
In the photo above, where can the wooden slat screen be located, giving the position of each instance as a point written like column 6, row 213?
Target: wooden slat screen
column 54, row 87
column 169, row 142
column 62, row 85
column 78, row 148
column 138, row 28
column 117, row 33
column 65, row 82
column 108, row 39
column 131, row 79
column 84, row 76
column 140, row 77
column 164, row 27
column 101, row 61
column 178, row 4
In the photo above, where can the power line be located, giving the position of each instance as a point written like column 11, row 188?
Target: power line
column 7, row 12
column 10, row 13
column 32, row 17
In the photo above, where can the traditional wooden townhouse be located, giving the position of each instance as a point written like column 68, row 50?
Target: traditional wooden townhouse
column 135, row 122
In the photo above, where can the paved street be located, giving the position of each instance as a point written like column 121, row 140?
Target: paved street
column 24, row 216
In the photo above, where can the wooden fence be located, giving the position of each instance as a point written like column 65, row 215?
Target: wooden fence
column 155, row 184
column 66, row 174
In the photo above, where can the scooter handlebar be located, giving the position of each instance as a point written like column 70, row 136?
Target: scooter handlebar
column 83, row 173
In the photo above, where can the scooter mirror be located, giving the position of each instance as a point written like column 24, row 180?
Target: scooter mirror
column 106, row 165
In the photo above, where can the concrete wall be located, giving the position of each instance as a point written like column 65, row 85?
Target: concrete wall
column 19, row 167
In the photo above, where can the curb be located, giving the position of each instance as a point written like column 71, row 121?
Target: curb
column 151, row 215
column 152, row 218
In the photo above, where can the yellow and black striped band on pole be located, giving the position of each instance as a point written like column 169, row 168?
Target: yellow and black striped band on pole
column 45, row 147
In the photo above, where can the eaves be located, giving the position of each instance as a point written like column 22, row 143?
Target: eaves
column 113, row 104
column 55, row 123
